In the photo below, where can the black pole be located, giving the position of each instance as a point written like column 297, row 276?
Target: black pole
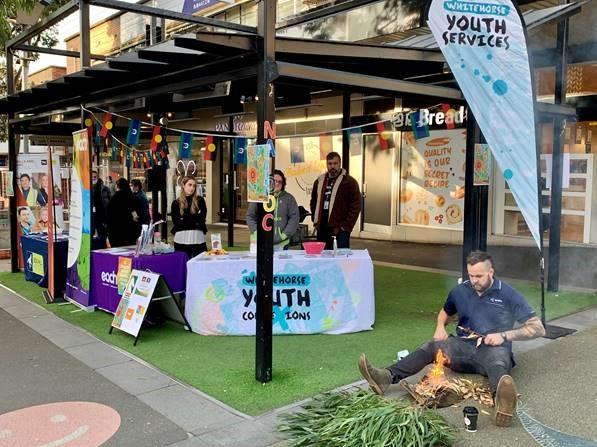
column 475, row 226
column 555, row 215
column 84, row 33
column 266, row 74
column 345, row 134
column 231, row 185
column 12, row 166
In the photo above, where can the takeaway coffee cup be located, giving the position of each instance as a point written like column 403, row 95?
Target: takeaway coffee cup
column 471, row 414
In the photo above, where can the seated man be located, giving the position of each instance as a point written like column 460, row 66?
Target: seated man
column 487, row 306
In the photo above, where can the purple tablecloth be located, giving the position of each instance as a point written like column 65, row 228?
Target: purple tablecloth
column 104, row 268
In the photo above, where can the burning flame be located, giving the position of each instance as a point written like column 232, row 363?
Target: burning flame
column 436, row 374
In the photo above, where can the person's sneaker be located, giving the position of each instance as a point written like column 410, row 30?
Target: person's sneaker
column 505, row 401
column 379, row 379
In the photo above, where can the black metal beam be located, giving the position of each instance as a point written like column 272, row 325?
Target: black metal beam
column 170, row 54
column 345, row 134
column 56, row 52
column 343, row 79
column 216, row 43
column 353, row 51
column 84, row 34
column 266, row 112
column 52, row 19
column 12, row 166
column 172, row 15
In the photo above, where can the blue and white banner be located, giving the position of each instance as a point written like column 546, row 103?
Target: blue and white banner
column 484, row 43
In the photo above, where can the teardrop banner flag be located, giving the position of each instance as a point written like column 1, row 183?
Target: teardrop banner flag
column 484, row 43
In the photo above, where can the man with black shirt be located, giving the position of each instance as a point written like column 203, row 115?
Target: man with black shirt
column 335, row 204
column 487, row 309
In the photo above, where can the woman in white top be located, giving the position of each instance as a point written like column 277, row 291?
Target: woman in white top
column 188, row 218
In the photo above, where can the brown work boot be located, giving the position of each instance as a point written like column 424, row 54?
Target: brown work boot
column 505, row 401
column 379, row 379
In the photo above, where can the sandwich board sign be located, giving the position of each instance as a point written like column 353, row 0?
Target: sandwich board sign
column 144, row 290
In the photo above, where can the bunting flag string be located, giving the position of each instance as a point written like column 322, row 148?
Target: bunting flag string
column 240, row 151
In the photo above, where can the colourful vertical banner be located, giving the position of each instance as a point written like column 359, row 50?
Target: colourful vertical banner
column 79, row 238
column 420, row 129
column 325, row 145
column 297, row 150
column 134, row 132
column 210, row 148
column 258, row 173
column 240, row 151
column 497, row 85
column 107, row 125
column 184, row 145
column 356, row 141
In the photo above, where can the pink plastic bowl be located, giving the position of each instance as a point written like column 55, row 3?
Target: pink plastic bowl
column 313, row 248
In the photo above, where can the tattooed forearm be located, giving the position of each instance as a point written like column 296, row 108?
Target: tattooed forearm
column 532, row 328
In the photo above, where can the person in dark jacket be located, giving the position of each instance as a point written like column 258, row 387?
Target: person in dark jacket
column 142, row 198
column 286, row 213
column 100, row 200
column 124, row 216
column 335, row 204
column 188, row 213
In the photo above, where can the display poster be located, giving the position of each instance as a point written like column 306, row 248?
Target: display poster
column 125, row 266
column 258, row 173
column 79, row 236
column 432, row 179
column 135, row 301
column 482, row 165
column 31, row 196
column 7, row 184
column 484, row 43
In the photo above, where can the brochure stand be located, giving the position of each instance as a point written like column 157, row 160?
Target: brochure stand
column 143, row 291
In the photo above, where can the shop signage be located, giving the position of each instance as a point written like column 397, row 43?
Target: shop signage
column 402, row 120
column 484, row 43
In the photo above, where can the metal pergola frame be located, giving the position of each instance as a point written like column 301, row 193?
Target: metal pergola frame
column 190, row 62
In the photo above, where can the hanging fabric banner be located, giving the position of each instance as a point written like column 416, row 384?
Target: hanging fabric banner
column 210, row 149
column 325, row 145
column 134, row 132
column 240, row 151
column 485, row 45
column 297, row 150
column 356, row 141
column 79, row 235
column 420, row 128
column 107, row 125
column 257, row 173
column 184, row 145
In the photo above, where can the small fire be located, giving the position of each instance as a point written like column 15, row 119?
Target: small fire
column 436, row 375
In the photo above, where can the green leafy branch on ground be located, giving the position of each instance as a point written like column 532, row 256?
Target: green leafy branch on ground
column 364, row 419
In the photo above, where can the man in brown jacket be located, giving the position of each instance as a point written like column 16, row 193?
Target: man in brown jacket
column 335, row 204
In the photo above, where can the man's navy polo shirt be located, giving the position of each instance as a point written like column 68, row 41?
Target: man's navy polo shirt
column 494, row 311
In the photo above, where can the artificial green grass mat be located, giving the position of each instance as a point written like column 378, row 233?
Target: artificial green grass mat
column 407, row 302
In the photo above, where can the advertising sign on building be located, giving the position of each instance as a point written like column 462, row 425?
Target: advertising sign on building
column 432, row 179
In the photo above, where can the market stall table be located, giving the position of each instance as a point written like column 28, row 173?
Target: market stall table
column 35, row 256
column 104, row 270
column 312, row 293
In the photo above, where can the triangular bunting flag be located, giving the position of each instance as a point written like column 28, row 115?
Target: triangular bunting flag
column 449, row 116
column 88, row 122
column 156, row 138
column 297, row 150
column 386, row 140
column 419, row 131
column 240, row 151
column 107, row 125
column 356, row 141
column 132, row 136
column 271, row 147
column 325, row 145
column 210, row 148
column 97, row 137
column 184, row 145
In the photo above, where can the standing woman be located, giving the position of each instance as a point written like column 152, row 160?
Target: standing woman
column 123, row 216
column 188, row 213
